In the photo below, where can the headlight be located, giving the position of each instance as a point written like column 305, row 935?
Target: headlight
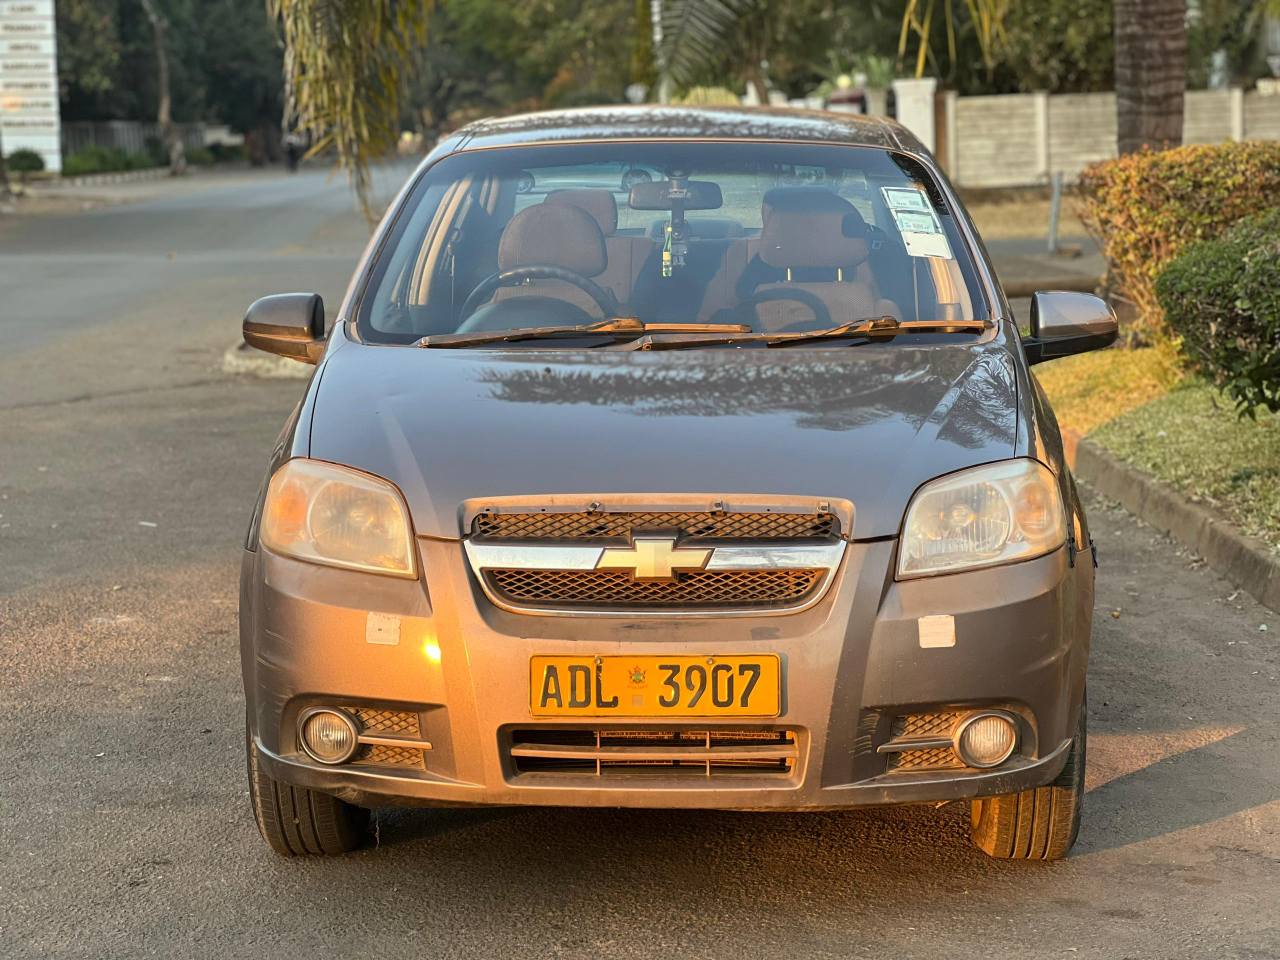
column 988, row 515
column 329, row 514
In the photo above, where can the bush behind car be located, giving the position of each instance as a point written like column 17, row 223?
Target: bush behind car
column 1144, row 209
column 105, row 160
column 24, row 161
column 1222, row 297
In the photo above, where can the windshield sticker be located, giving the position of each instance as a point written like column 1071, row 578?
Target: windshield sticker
column 921, row 232
column 905, row 198
column 912, row 222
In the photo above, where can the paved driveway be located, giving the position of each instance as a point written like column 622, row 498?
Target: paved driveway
column 128, row 463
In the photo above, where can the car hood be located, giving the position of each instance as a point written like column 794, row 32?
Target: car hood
column 864, row 424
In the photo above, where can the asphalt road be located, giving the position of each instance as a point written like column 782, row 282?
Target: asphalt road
column 128, row 463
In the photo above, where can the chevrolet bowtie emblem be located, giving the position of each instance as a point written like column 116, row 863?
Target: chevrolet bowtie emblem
column 653, row 558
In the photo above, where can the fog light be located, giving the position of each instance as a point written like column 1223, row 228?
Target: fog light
column 986, row 739
column 328, row 736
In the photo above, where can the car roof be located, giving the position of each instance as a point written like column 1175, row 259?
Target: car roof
column 650, row 122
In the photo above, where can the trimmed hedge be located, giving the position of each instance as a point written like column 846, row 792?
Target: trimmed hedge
column 1145, row 208
column 1222, row 297
column 24, row 161
column 105, row 160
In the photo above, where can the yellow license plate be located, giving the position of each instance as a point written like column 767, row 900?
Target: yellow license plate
column 656, row 686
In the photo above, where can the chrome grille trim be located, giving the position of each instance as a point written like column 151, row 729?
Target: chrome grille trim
column 536, row 556
column 484, row 557
column 704, row 753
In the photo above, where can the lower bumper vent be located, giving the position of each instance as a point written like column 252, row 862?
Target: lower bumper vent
column 693, row 753
column 396, row 735
column 922, row 741
column 930, row 758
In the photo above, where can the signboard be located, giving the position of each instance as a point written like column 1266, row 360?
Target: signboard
column 29, row 80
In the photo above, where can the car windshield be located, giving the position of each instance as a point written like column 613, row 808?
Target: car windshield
column 759, row 237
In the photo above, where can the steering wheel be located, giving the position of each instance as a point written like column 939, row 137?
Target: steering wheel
column 487, row 287
column 821, row 315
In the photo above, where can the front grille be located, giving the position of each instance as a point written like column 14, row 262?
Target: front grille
column 692, row 525
column 618, row 589
column 695, row 753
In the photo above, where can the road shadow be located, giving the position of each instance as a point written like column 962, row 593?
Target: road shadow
column 1187, row 789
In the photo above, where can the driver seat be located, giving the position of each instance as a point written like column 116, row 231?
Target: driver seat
column 545, row 235
column 627, row 255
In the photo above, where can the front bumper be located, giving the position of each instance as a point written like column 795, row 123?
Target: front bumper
column 851, row 663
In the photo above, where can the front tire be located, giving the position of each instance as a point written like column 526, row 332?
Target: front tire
column 296, row 821
column 1038, row 824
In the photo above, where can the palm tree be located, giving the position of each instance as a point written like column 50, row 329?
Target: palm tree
column 345, row 63
column 1151, row 72
column 689, row 34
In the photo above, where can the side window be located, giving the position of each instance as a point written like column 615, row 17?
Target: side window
column 526, row 200
column 393, row 300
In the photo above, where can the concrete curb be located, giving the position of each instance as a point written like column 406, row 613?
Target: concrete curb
column 243, row 360
column 102, row 179
column 1245, row 561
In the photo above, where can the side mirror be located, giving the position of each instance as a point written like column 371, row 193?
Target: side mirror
column 288, row 325
column 1064, row 323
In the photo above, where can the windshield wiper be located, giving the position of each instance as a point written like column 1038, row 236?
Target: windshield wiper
column 877, row 328
column 868, row 329
column 619, row 328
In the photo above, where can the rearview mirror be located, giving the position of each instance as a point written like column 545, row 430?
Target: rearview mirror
column 288, row 325
column 1064, row 323
column 666, row 194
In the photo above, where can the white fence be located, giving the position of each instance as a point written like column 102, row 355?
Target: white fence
column 128, row 135
column 1023, row 139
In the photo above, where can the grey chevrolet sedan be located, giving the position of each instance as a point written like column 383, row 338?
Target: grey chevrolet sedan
column 670, row 458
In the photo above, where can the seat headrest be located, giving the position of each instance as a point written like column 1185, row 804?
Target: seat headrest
column 811, row 227
column 599, row 203
column 553, row 235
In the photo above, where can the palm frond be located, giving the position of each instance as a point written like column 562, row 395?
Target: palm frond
column 987, row 17
column 693, row 32
column 345, row 63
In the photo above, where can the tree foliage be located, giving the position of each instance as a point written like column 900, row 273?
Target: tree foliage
column 224, row 61
column 1063, row 46
column 984, row 21
column 693, row 32
column 787, row 45
column 1145, row 208
column 1236, row 28
column 88, row 48
column 1222, row 297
